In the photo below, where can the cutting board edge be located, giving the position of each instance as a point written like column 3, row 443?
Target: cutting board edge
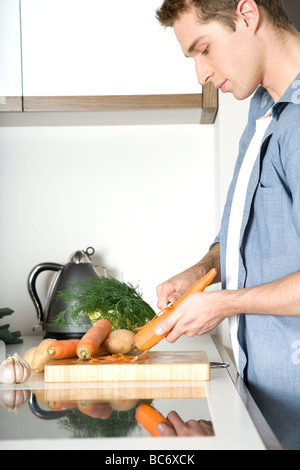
column 61, row 372
column 198, row 372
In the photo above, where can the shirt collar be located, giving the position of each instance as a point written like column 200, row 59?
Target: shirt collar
column 263, row 101
column 291, row 95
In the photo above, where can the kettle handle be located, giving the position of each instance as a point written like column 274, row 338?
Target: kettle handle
column 43, row 414
column 32, row 289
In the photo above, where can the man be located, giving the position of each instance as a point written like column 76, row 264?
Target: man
column 247, row 48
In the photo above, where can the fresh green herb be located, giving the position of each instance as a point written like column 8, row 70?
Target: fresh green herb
column 5, row 335
column 105, row 297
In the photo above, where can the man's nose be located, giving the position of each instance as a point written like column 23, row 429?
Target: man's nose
column 204, row 73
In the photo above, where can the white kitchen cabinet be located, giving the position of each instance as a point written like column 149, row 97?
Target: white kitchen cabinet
column 10, row 56
column 100, row 55
column 96, row 47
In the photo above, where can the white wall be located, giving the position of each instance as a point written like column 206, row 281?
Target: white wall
column 137, row 194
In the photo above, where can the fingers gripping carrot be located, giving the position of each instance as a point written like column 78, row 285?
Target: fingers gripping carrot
column 149, row 418
column 90, row 343
column 146, row 337
column 63, row 349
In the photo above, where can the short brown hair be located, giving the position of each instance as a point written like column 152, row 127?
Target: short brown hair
column 221, row 10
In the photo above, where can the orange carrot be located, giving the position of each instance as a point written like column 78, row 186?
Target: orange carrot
column 120, row 357
column 63, row 349
column 146, row 337
column 149, row 418
column 90, row 343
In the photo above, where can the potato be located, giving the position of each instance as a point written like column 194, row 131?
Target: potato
column 41, row 356
column 28, row 356
column 119, row 341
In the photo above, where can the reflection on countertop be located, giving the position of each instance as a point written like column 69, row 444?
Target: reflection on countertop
column 102, row 412
column 195, row 408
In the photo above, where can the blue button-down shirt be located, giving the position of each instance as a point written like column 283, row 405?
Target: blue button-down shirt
column 269, row 242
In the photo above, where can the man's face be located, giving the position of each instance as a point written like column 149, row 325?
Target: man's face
column 231, row 60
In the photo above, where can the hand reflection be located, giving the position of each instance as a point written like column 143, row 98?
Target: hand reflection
column 178, row 427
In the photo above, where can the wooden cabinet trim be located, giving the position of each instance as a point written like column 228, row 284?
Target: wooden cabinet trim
column 207, row 102
column 210, row 104
column 11, row 103
column 111, row 103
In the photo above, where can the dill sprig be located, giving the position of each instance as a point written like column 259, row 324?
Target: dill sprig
column 105, row 297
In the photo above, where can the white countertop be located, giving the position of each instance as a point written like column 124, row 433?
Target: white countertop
column 233, row 426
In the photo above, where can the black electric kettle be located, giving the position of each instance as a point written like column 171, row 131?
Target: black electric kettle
column 78, row 269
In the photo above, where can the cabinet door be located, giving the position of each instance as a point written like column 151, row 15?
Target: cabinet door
column 10, row 56
column 101, row 47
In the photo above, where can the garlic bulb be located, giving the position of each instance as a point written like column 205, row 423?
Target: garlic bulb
column 14, row 370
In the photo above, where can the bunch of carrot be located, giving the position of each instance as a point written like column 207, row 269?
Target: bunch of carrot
column 91, row 344
column 85, row 348
column 63, row 349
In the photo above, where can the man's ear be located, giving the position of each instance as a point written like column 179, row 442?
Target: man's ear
column 248, row 12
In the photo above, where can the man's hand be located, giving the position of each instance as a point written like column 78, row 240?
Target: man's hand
column 200, row 313
column 196, row 315
column 178, row 427
column 174, row 288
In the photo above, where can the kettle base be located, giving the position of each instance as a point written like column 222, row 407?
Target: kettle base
column 60, row 336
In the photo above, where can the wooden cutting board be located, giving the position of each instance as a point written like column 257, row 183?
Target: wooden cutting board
column 161, row 366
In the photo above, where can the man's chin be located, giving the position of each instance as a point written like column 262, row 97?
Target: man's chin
column 242, row 95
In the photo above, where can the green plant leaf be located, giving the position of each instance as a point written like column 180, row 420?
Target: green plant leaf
column 105, row 297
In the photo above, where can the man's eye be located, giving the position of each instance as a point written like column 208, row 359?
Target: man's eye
column 205, row 52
